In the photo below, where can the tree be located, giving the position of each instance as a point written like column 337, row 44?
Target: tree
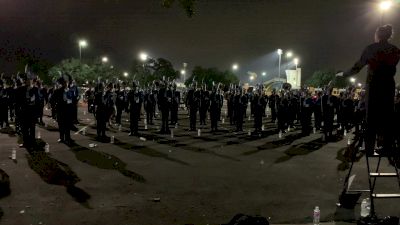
column 187, row 5
column 209, row 75
column 322, row 78
column 153, row 69
column 83, row 72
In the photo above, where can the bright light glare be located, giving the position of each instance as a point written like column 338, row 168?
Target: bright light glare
column 296, row 61
column 183, row 72
column 264, row 73
column 359, row 84
column 385, row 5
column 352, row 80
column 143, row 56
column 83, row 43
column 280, row 51
column 235, row 66
column 251, row 77
column 126, row 74
column 289, row 54
column 104, row 59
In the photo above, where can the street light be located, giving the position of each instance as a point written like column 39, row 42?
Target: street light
column 252, row 78
column 279, row 51
column 359, row 85
column 143, row 56
column 104, row 59
column 82, row 44
column 352, row 80
column 384, row 6
column 235, row 67
column 126, row 74
column 289, row 54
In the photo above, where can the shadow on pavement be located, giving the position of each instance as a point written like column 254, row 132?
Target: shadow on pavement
column 287, row 140
column 103, row 161
column 4, row 187
column 301, row 149
column 147, row 151
column 55, row 172
column 8, row 130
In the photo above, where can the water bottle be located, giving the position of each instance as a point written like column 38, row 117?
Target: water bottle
column 39, row 136
column 47, row 148
column 317, row 215
column 365, row 208
column 145, row 126
column 112, row 140
column 14, row 154
column 345, row 132
column 262, row 127
column 199, row 132
column 223, row 120
column 288, row 129
column 348, row 141
column 280, row 134
column 172, row 133
column 314, row 130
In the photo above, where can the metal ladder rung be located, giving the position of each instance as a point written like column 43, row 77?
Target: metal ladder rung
column 386, row 195
column 383, row 174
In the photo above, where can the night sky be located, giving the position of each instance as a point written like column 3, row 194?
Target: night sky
column 323, row 33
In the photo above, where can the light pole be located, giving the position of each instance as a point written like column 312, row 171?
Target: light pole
column 384, row 6
column 279, row 66
column 82, row 44
column 184, row 72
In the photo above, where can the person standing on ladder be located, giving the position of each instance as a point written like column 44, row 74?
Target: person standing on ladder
column 382, row 59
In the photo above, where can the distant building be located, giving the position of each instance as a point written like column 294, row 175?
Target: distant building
column 294, row 78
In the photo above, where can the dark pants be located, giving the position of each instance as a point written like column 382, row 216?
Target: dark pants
column 149, row 115
column 3, row 116
column 164, row 120
column 28, row 131
column 64, row 127
column 193, row 118
column 119, row 115
column 101, row 118
column 174, row 114
column 134, row 120
column 214, row 119
column 380, row 113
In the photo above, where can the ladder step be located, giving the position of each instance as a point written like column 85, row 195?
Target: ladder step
column 386, row 195
column 350, row 191
column 383, row 174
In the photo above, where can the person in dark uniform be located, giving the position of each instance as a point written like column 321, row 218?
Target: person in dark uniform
column 164, row 104
column 239, row 106
column 176, row 99
column 231, row 101
column 75, row 98
column 215, row 103
column 330, row 106
column 272, row 105
column 382, row 59
column 134, row 100
column 193, row 101
column 306, row 113
column 317, row 108
column 258, row 103
column 63, row 105
column 149, row 104
column 204, row 105
column 42, row 100
column 4, row 101
column 100, row 102
column 89, row 97
column 11, row 98
column 27, row 101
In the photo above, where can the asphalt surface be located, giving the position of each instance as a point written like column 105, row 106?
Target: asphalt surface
column 184, row 179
